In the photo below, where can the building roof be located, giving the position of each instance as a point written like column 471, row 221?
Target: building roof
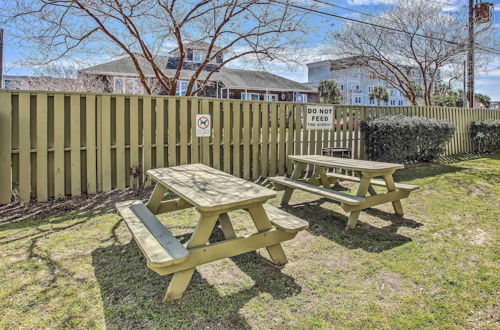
column 232, row 78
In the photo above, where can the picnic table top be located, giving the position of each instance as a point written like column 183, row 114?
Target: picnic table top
column 346, row 163
column 209, row 189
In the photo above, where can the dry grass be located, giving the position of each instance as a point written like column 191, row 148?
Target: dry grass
column 435, row 268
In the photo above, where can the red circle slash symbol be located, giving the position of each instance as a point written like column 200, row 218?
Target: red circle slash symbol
column 203, row 122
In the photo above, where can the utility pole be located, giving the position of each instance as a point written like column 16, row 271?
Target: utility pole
column 464, row 93
column 1, row 58
column 470, row 57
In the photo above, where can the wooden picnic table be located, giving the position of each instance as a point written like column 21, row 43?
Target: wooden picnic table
column 213, row 193
column 321, row 182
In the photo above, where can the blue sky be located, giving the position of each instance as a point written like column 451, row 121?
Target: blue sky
column 487, row 82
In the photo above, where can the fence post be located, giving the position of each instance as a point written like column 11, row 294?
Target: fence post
column 5, row 147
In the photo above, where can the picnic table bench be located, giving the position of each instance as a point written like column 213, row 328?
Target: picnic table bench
column 213, row 193
column 321, row 181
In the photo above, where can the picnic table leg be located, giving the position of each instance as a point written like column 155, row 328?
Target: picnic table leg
column 261, row 221
column 371, row 190
column 200, row 236
column 362, row 190
column 391, row 186
column 156, row 198
column 297, row 171
column 227, row 226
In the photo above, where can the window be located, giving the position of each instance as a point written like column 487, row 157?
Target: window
column 400, row 102
column 128, row 86
column 369, row 89
column 197, row 56
column 357, row 99
column 393, row 102
column 182, row 88
column 250, row 96
column 342, row 87
column 372, row 101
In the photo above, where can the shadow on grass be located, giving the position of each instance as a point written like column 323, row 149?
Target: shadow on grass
column 131, row 293
column 330, row 224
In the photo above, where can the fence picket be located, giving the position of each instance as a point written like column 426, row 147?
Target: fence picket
column 42, row 184
column 256, row 139
column 24, row 148
column 59, row 179
column 76, row 185
column 120, row 143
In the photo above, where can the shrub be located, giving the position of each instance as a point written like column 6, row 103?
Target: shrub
column 486, row 135
column 406, row 139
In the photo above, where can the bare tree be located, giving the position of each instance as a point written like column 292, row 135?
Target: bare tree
column 58, row 77
column 140, row 29
column 408, row 45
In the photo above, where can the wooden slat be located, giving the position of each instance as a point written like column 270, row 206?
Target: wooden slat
column 160, row 131
column 274, row 139
column 289, row 141
column 298, row 129
column 105, row 147
column 24, row 148
column 246, row 140
column 42, row 173
column 348, row 164
column 380, row 183
column 205, row 141
column 264, row 161
column 283, row 220
column 5, row 147
column 184, row 131
column 76, row 185
column 134, row 131
column 236, row 137
column 157, row 243
column 121, row 170
column 209, row 189
column 256, row 127
column 195, row 151
column 328, row 193
column 282, row 139
column 227, row 136
column 146, row 136
column 59, row 113
column 217, row 129
column 172, row 131
column 90, row 143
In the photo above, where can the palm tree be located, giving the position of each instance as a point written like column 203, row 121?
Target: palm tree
column 379, row 93
column 329, row 91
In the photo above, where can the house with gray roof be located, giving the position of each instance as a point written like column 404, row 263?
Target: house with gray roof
column 223, row 83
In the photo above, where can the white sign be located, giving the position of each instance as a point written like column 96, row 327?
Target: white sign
column 203, row 125
column 319, row 117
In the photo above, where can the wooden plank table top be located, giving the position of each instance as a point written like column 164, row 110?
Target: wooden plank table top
column 209, row 189
column 347, row 163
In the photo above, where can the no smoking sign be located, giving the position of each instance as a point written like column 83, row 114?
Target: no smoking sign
column 203, row 125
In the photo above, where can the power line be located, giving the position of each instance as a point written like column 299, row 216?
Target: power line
column 343, row 18
column 484, row 48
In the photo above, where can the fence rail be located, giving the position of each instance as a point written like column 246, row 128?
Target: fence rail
column 59, row 144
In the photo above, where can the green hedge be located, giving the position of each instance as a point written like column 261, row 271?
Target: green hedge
column 486, row 135
column 406, row 139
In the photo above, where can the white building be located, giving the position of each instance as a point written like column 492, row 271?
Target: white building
column 355, row 81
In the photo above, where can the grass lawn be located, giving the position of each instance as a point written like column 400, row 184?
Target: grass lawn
column 438, row 267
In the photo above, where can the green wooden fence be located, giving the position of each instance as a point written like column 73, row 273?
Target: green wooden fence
column 59, row 144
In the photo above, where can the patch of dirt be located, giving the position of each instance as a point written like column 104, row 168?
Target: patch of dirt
column 485, row 319
column 480, row 237
column 41, row 210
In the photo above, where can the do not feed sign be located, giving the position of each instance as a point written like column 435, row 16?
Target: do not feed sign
column 203, row 125
column 319, row 117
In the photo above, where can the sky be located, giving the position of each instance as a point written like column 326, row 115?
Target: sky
column 487, row 81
